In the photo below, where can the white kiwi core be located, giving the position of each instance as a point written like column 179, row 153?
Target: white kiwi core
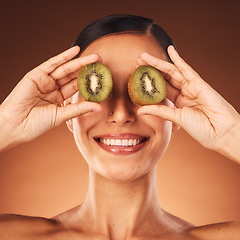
column 94, row 80
column 148, row 84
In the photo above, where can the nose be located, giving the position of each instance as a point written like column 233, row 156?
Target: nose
column 122, row 112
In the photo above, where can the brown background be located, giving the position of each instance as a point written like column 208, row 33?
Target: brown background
column 48, row 175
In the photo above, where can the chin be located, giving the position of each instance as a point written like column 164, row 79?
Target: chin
column 123, row 175
column 122, row 170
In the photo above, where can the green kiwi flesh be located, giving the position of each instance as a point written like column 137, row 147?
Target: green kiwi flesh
column 147, row 86
column 95, row 82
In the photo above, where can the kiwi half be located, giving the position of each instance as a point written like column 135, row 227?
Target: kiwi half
column 147, row 86
column 95, row 82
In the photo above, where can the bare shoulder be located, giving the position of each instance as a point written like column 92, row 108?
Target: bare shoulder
column 19, row 227
column 218, row 231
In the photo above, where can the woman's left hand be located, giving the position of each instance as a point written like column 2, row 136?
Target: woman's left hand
column 199, row 109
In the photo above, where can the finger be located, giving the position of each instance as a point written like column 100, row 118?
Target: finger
column 76, row 110
column 180, row 100
column 162, row 111
column 185, row 69
column 68, row 78
column 65, row 70
column 59, row 95
column 170, row 72
column 58, row 60
column 140, row 62
column 69, row 89
column 172, row 93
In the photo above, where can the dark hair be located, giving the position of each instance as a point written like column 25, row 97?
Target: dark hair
column 119, row 24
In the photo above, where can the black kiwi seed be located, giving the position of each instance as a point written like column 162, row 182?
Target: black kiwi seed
column 147, row 86
column 152, row 82
column 95, row 82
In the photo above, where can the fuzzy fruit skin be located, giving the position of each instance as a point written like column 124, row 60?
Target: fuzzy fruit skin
column 131, row 92
column 133, row 95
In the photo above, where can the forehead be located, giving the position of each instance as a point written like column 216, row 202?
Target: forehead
column 124, row 46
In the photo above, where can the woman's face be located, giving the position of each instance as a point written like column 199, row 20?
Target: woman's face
column 116, row 142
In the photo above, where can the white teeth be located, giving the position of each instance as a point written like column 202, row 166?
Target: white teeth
column 120, row 142
column 125, row 142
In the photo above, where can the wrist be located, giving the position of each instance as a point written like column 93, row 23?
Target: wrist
column 229, row 144
column 8, row 137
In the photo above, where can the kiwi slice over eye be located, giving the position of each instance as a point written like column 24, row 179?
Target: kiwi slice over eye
column 147, row 86
column 95, row 82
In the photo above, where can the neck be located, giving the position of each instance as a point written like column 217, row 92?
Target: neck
column 119, row 208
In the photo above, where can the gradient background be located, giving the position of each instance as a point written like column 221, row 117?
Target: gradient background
column 48, row 175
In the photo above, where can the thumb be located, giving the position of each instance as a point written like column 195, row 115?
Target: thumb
column 75, row 110
column 162, row 111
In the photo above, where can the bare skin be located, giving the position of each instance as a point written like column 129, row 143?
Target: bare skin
column 121, row 202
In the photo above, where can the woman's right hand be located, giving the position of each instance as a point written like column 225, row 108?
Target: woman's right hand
column 199, row 109
column 35, row 104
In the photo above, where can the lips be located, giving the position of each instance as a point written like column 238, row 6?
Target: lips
column 121, row 143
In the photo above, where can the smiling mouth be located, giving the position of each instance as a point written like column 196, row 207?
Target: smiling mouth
column 122, row 143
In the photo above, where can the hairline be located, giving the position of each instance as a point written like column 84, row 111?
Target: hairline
column 132, row 32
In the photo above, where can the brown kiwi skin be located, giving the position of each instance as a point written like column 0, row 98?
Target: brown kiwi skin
column 132, row 94
column 131, row 91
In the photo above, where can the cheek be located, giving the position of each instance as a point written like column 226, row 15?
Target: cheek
column 82, row 127
column 158, row 125
column 87, row 121
column 163, row 136
column 163, row 127
column 162, row 131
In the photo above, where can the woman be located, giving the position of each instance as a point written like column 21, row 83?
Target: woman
column 121, row 202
